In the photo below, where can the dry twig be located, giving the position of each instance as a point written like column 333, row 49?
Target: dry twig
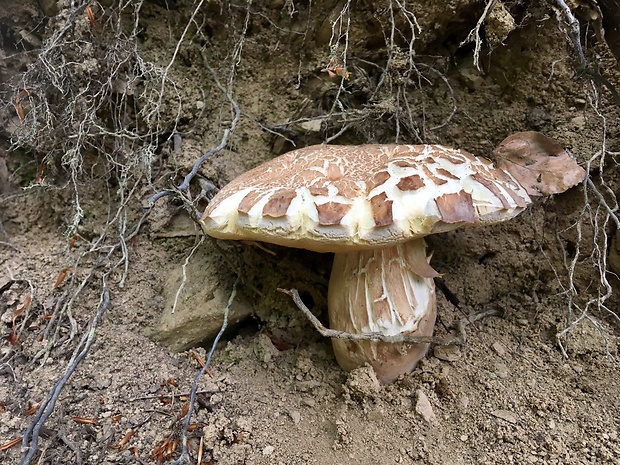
column 460, row 338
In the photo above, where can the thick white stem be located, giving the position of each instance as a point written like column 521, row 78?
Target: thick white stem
column 382, row 290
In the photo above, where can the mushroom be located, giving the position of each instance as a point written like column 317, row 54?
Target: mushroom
column 371, row 205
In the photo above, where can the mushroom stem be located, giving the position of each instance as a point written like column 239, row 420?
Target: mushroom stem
column 391, row 291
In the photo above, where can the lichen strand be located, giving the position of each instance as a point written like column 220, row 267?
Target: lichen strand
column 376, row 291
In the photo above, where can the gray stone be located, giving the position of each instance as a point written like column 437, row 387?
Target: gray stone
column 424, row 408
column 200, row 308
column 447, row 353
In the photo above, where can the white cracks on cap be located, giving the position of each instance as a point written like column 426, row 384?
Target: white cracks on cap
column 338, row 198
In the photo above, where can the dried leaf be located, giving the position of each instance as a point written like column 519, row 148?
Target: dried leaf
column 72, row 242
column 184, row 411
column 40, row 169
column 91, row 16
column 126, row 438
column 18, row 106
column 62, row 276
column 11, row 443
column 166, row 400
column 197, row 357
column 21, row 309
column 200, row 450
column 21, row 113
column 277, row 342
column 191, row 427
column 32, row 409
column 539, row 163
column 84, row 420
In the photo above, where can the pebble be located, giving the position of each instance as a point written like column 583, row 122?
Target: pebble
column 578, row 122
column 505, row 415
column 424, row 408
column 295, row 416
column 311, row 126
column 501, row 370
column 498, row 347
column 268, row 450
column 447, row 353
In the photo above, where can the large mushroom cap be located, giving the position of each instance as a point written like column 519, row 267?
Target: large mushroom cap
column 330, row 198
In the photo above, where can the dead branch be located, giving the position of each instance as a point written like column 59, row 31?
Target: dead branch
column 575, row 36
column 184, row 458
column 30, row 441
column 474, row 34
column 460, row 339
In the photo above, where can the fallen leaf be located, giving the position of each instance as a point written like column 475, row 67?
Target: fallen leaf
column 62, row 275
column 539, row 163
column 11, row 443
column 84, row 420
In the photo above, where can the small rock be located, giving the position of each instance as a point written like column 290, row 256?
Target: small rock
column 102, row 381
column 200, row 310
column 537, row 118
column 501, row 370
column 506, row 415
column 578, row 122
column 295, row 416
column 471, row 77
column 498, row 347
column 312, row 125
column 499, row 24
column 268, row 450
column 362, row 383
column 424, row 408
column 7, row 317
column 447, row 353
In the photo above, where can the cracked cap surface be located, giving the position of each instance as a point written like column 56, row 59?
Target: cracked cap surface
column 336, row 198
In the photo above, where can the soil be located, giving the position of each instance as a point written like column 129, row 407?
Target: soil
column 514, row 393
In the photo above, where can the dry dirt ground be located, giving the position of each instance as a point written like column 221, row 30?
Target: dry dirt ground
column 515, row 393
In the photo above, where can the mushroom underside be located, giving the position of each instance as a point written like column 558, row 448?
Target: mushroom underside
column 389, row 291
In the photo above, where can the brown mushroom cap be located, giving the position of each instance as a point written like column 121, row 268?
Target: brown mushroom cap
column 330, row 198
